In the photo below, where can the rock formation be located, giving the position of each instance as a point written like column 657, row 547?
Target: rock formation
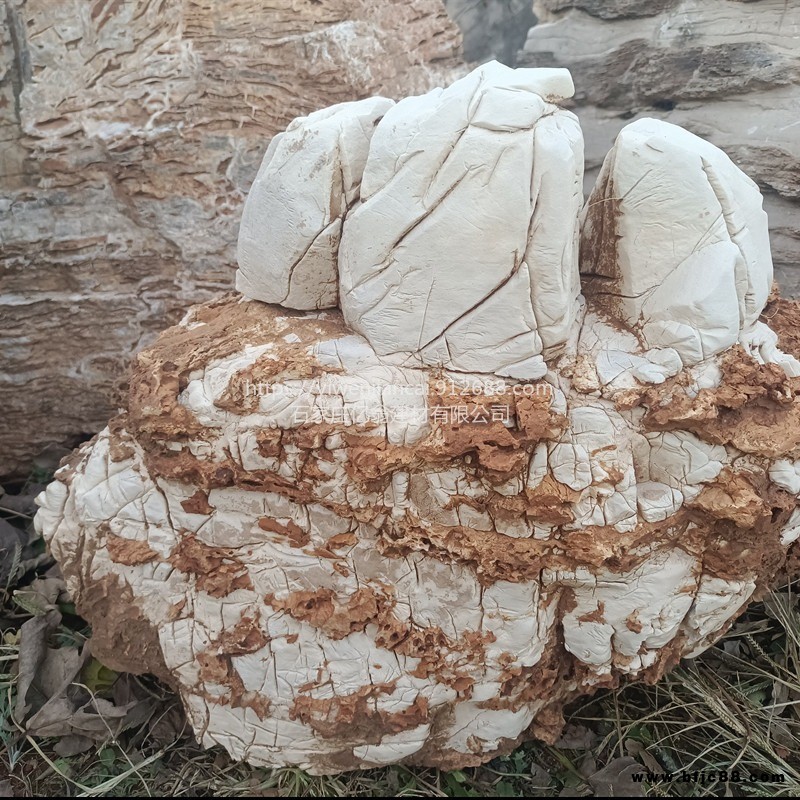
column 492, row 29
column 434, row 160
column 345, row 548
column 130, row 133
column 726, row 70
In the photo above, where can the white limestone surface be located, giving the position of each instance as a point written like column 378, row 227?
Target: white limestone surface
column 292, row 220
column 463, row 249
column 675, row 237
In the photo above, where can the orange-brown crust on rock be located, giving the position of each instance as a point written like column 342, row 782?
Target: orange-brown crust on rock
column 355, row 716
column 290, row 530
column 129, row 552
column 122, row 637
column 783, row 316
column 217, row 329
column 756, row 408
column 197, row 504
column 220, row 328
column 216, row 665
column 216, row 570
column 324, row 611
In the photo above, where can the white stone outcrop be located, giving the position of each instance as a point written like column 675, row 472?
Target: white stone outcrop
column 469, row 201
column 458, row 243
column 292, row 221
column 342, row 564
column 414, row 527
column 675, row 240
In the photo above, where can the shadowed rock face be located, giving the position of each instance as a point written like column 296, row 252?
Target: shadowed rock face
column 492, row 29
column 129, row 135
column 343, row 554
column 726, row 70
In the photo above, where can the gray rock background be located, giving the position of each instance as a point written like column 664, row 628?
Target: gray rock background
column 492, row 28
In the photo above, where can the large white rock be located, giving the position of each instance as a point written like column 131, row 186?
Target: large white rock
column 675, row 240
column 342, row 557
column 341, row 564
column 463, row 249
column 292, row 220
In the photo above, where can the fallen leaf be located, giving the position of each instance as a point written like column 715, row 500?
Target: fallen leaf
column 588, row 766
column 168, row 727
column 616, row 779
column 32, row 652
column 638, row 750
column 72, row 745
column 97, row 677
column 578, row 737
column 540, row 777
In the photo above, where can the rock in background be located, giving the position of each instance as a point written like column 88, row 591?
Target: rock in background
column 492, row 28
column 130, row 132
column 727, row 70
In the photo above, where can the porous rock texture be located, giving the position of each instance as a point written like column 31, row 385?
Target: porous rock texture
column 342, row 561
column 130, row 132
column 726, row 70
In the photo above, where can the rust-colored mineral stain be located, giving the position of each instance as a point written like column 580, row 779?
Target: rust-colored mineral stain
column 247, row 636
column 598, row 615
column 129, row 552
column 197, row 504
column 217, row 668
column 733, row 497
column 355, row 716
column 322, row 609
column 291, row 530
column 756, row 408
column 215, row 569
column 783, row 316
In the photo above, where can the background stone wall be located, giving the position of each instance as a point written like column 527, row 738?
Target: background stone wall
column 130, row 131
column 492, row 28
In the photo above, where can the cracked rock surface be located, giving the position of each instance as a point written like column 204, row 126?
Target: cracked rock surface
column 342, row 557
column 694, row 291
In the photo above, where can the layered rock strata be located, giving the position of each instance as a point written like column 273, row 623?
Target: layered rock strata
column 129, row 135
column 345, row 558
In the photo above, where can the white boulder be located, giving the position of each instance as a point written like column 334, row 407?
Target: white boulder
column 463, row 249
column 292, row 220
column 675, row 241
column 417, row 527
